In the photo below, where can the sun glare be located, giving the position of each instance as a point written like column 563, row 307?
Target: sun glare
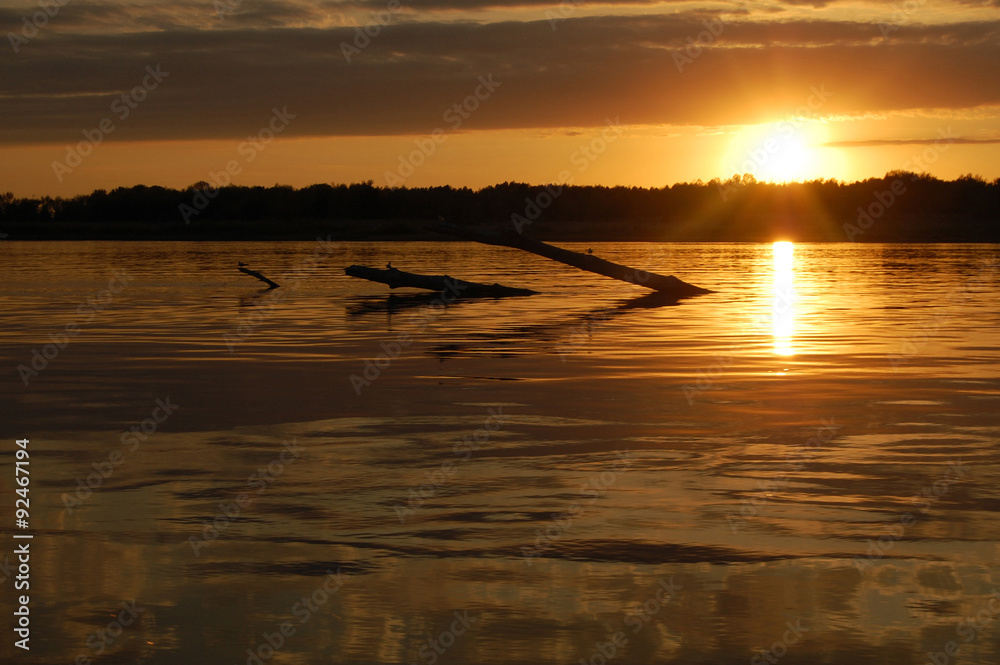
column 777, row 152
column 784, row 256
column 783, row 303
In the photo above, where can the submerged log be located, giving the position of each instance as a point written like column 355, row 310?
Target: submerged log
column 397, row 278
column 650, row 280
column 254, row 273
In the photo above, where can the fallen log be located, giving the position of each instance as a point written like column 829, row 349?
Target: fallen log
column 590, row 263
column 395, row 278
column 254, row 273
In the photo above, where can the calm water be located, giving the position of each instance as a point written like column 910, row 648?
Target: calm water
column 804, row 463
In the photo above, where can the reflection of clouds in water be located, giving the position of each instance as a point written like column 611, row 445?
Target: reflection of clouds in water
column 694, row 464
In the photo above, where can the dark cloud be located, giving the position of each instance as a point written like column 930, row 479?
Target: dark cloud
column 465, row 5
column 224, row 83
column 104, row 18
column 432, row 5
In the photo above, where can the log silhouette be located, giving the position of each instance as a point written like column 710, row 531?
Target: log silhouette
column 651, row 280
column 395, row 278
column 254, row 273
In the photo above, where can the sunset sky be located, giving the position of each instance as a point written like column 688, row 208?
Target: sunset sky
column 619, row 92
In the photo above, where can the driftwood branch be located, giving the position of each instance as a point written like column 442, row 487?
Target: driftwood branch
column 254, row 273
column 650, row 280
column 397, row 278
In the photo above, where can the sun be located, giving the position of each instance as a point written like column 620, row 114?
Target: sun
column 777, row 152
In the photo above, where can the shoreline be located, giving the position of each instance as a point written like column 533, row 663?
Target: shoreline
column 336, row 235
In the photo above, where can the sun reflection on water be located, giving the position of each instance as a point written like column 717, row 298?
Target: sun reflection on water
column 783, row 303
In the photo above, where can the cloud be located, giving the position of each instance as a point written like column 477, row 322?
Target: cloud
column 224, row 83
column 114, row 17
column 871, row 143
column 424, row 5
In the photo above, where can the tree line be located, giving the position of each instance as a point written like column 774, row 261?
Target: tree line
column 900, row 206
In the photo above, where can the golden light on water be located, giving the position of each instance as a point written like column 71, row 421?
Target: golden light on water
column 784, row 256
column 783, row 302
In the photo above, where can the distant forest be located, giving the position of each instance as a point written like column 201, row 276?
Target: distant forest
column 899, row 207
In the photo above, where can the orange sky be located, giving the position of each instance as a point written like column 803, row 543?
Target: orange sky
column 103, row 94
